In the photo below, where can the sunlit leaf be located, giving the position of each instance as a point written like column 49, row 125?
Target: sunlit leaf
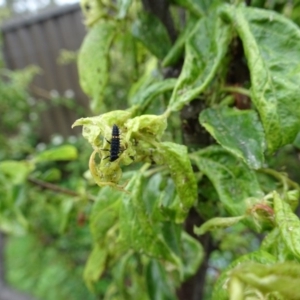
column 65, row 152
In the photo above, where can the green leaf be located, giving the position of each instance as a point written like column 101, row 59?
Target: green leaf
column 192, row 255
column 273, row 243
column 93, row 61
column 288, row 224
column 220, row 291
column 93, row 127
column 193, row 6
column 205, row 49
column 238, row 131
column 65, row 152
column 216, row 223
column 65, row 210
column 177, row 49
column 149, row 76
column 176, row 158
column 292, row 198
column 198, row 7
column 52, row 174
column 162, row 202
column 279, row 277
column 149, row 30
column 123, row 6
column 231, row 177
column 127, row 270
column 296, row 142
column 157, row 282
column 93, row 11
column 16, row 172
column 147, row 126
column 95, row 265
column 137, row 231
column 144, row 96
column 105, row 213
column 275, row 77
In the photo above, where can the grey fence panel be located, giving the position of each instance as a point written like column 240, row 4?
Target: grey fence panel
column 38, row 41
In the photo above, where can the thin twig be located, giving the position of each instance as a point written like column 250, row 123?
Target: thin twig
column 238, row 90
column 281, row 177
column 40, row 92
column 58, row 189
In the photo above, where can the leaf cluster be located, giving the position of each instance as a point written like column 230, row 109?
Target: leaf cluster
column 213, row 102
column 229, row 182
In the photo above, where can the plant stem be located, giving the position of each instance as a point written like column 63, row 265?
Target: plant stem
column 58, row 189
column 238, row 90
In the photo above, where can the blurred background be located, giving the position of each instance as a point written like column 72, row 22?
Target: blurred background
column 43, row 36
column 44, row 239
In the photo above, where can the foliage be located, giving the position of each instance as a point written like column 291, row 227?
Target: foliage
column 141, row 221
column 14, row 94
column 44, row 207
column 43, row 204
column 230, row 79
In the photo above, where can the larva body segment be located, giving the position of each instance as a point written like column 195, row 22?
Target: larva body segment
column 115, row 143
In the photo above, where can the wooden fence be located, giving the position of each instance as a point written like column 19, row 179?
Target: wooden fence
column 38, row 41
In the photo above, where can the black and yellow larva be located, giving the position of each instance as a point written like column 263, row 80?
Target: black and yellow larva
column 115, row 145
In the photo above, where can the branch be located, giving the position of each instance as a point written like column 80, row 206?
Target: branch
column 58, row 189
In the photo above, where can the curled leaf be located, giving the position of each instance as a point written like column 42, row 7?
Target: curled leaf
column 220, row 291
column 216, row 223
column 279, row 277
column 205, row 49
column 95, row 265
